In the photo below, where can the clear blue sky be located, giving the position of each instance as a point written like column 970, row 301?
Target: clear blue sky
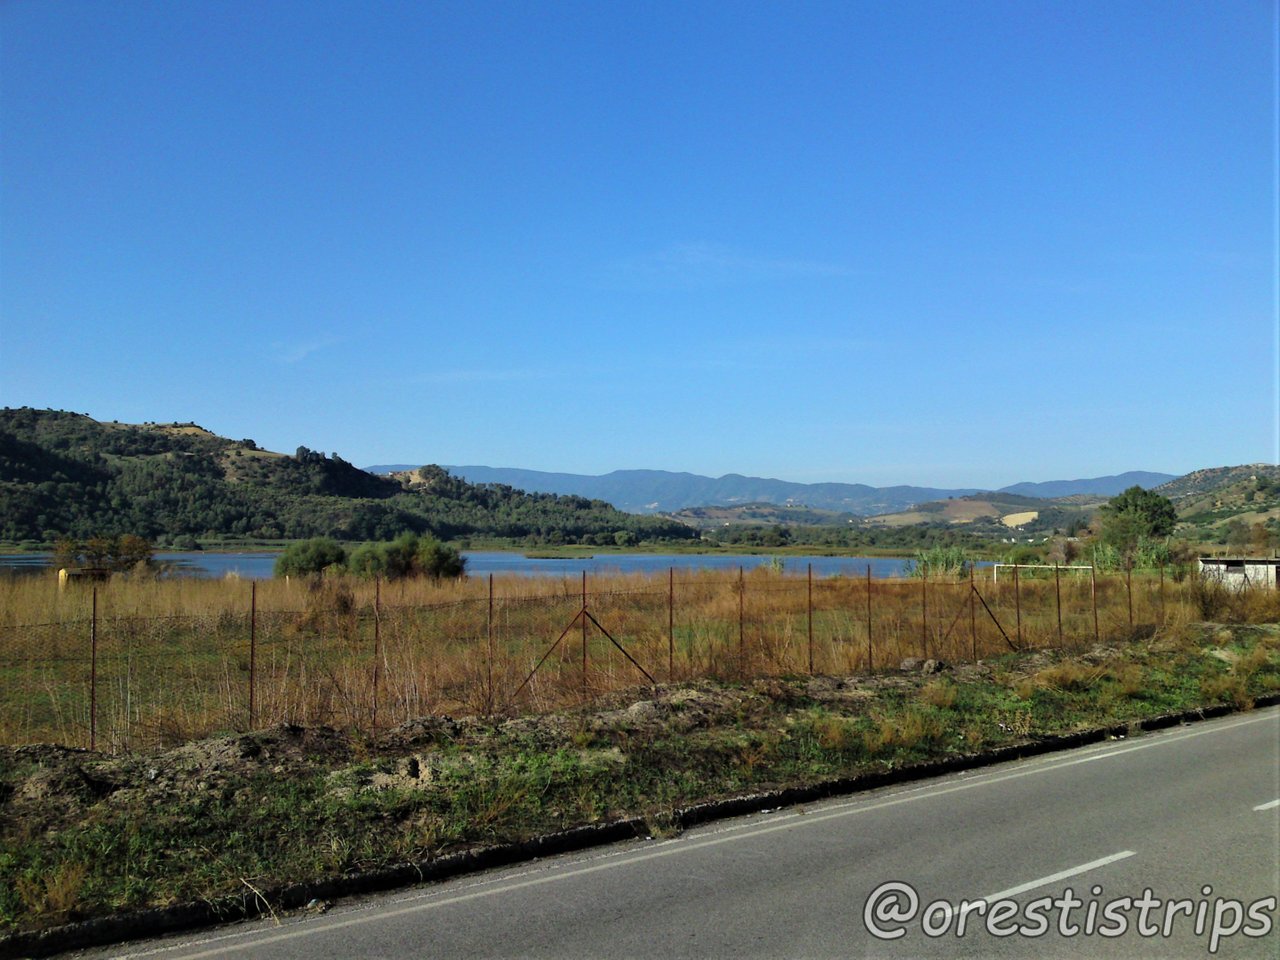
column 953, row 243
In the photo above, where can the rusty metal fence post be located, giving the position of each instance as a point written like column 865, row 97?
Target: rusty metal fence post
column 1128, row 580
column 582, row 617
column 1057, row 592
column 253, row 655
column 811, row 619
column 870, row 658
column 742, row 647
column 1093, row 598
column 377, row 651
column 1017, row 603
column 93, row 673
column 924, row 614
column 488, row 630
column 671, row 624
column 973, row 622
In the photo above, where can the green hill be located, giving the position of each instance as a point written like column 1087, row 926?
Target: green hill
column 1220, row 503
column 999, row 515
column 714, row 517
column 1213, row 481
column 1213, row 505
column 66, row 474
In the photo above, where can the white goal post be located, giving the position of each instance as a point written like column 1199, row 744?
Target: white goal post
column 995, row 568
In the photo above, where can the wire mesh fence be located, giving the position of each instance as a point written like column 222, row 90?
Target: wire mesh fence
column 104, row 670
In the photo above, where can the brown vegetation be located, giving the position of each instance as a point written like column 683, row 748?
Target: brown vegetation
column 161, row 662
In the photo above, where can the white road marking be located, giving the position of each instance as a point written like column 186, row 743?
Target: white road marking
column 1267, row 806
column 668, row 848
column 1045, row 881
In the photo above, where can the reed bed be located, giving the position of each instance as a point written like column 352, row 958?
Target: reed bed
column 139, row 663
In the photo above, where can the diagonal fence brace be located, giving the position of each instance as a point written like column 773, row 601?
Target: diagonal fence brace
column 584, row 612
column 619, row 646
column 982, row 600
column 550, row 650
column 1012, row 646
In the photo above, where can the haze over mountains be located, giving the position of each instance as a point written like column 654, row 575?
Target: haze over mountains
column 662, row 491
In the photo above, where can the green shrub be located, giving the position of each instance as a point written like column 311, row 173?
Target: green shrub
column 409, row 555
column 939, row 562
column 310, row 557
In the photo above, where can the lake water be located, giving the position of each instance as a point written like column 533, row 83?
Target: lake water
column 483, row 563
column 480, row 563
column 250, row 566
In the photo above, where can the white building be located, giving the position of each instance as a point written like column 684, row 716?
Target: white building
column 1241, row 572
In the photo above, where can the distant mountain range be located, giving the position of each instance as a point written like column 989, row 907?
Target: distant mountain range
column 662, row 491
column 65, row 474
column 1093, row 486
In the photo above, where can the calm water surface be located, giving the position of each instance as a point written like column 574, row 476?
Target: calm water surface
column 251, row 566
column 258, row 566
column 481, row 563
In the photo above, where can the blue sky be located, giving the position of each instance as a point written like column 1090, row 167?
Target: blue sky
column 948, row 243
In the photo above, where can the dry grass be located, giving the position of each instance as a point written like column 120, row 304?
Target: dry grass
column 1070, row 675
column 1233, row 686
column 939, row 693
column 910, row 729
column 1018, row 519
column 1213, row 601
column 328, row 803
column 1229, row 688
column 834, row 732
column 1257, row 658
column 175, row 657
column 56, row 893
column 1128, row 678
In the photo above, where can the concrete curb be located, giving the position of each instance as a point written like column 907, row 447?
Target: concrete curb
column 149, row 923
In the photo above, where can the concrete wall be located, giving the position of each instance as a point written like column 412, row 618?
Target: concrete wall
column 1240, row 572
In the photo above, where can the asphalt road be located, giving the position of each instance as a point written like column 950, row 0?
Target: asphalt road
column 1185, row 823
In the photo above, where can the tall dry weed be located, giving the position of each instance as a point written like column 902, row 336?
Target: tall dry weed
column 175, row 657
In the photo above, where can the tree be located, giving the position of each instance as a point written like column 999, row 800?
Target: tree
column 439, row 560
column 409, row 555
column 132, row 550
column 1261, row 539
column 1136, row 515
column 310, row 557
column 116, row 554
column 1236, row 535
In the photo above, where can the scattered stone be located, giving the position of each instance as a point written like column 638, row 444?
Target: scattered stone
column 644, row 710
column 1100, row 653
column 424, row 730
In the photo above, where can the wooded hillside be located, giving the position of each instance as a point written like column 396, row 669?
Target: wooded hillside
column 68, row 475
